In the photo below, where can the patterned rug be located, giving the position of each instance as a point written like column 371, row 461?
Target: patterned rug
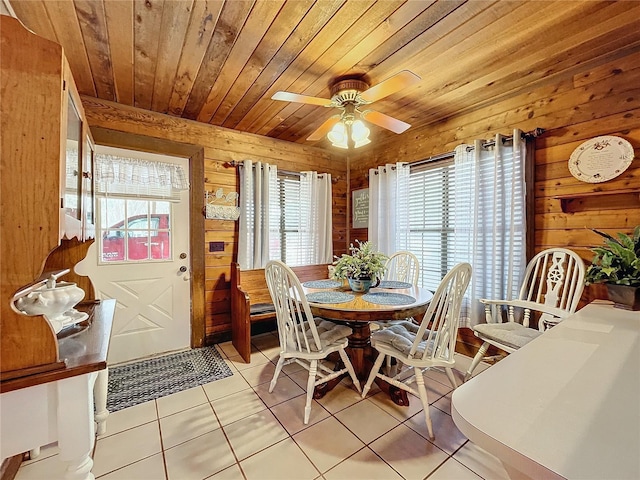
column 146, row 380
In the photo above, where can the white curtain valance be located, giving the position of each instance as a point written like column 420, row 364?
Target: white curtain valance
column 115, row 174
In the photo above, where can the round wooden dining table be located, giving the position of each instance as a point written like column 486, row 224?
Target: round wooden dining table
column 358, row 313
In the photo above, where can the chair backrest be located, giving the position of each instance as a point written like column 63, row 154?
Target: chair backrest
column 554, row 278
column 296, row 328
column 442, row 318
column 403, row 267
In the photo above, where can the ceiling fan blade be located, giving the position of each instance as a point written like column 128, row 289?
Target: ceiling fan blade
column 385, row 121
column 295, row 97
column 399, row 81
column 324, row 128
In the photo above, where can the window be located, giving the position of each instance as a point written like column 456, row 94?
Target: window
column 287, row 236
column 432, row 219
column 145, row 224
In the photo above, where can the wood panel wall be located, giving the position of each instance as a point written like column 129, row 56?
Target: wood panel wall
column 604, row 100
column 222, row 146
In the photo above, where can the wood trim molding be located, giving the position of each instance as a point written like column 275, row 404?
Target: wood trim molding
column 195, row 153
column 9, row 467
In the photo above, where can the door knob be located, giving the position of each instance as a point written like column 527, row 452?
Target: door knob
column 183, row 269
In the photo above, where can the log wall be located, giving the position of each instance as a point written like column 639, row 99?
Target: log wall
column 604, row 100
column 221, row 146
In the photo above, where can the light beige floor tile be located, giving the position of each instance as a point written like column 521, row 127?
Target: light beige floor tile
column 300, row 377
column 254, row 433
column 200, row 457
column 131, row 417
column 45, row 469
column 150, row 468
column 383, row 401
column 408, row 453
column 285, row 389
column 125, row 448
column 180, row 401
column 481, row 462
column 222, row 352
column 188, row 424
column 269, row 464
column 228, row 349
column 225, row 386
column 448, row 437
column 272, row 353
column 453, row 470
column 367, row 420
column 341, row 397
column 291, row 414
column 237, row 406
column 463, row 362
column 46, row 451
column 256, row 358
column 258, row 374
column 230, row 473
column 292, row 368
column 327, row 443
column 439, row 375
column 265, row 341
column 363, row 465
column 444, row 403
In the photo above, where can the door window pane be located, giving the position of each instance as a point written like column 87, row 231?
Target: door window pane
column 134, row 230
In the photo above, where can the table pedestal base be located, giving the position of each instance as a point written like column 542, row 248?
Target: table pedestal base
column 361, row 356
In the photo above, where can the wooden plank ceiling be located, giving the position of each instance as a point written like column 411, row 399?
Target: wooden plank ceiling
column 220, row 61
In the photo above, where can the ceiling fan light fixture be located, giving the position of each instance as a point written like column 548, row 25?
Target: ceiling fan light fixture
column 360, row 133
column 338, row 135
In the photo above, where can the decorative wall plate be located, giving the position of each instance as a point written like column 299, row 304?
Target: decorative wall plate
column 600, row 159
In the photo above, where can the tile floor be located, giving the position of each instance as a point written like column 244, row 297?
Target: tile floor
column 235, row 429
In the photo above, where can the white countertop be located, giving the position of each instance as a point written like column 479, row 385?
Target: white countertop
column 566, row 405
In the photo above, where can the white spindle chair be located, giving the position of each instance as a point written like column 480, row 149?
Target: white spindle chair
column 403, row 267
column 552, row 286
column 304, row 339
column 431, row 344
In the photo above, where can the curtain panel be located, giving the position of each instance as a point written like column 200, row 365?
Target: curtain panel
column 317, row 217
column 388, row 203
column 258, row 185
column 132, row 176
column 490, row 226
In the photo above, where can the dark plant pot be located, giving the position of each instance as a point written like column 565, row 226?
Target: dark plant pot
column 624, row 296
column 362, row 284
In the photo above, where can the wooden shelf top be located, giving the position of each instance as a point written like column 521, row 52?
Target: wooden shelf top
column 84, row 352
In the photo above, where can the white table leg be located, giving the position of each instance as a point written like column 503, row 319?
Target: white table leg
column 100, row 397
column 76, row 430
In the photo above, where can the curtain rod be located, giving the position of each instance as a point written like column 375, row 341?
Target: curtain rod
column 536, row 132
column 233, row 163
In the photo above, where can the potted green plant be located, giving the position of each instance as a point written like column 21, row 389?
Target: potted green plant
column 617, row 265
column 363, row 268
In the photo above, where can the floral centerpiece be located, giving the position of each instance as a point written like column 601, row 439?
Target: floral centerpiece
column 363, row 268
column 617, row 265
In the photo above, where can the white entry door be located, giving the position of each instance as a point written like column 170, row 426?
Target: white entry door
column 141, row 258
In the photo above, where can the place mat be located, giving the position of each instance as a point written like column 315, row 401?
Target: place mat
column 329, row 297
column 322, row 284
column 394, row 284
column 387, row 298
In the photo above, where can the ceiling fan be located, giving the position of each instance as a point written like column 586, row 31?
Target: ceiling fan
column 351, row 94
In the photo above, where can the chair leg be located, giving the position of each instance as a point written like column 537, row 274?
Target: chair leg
column 349, row 367
column 452, row 377
column 422, row 391
column 476, row 360
column 313, row 369
column 274, row 380
column 372, row 376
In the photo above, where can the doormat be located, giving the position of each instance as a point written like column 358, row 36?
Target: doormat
column 153, row 378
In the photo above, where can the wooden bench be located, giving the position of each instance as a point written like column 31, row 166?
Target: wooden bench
column 251, row 302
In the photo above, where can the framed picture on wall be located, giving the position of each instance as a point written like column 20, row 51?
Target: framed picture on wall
column 360, row 208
